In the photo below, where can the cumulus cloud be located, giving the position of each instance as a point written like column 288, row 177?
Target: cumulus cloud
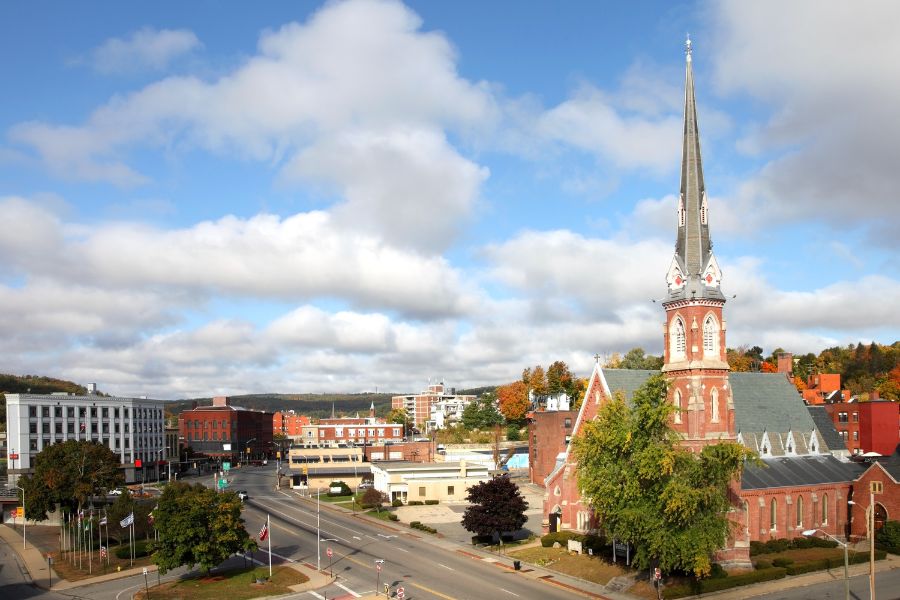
column 835, row 90
column 145, row 48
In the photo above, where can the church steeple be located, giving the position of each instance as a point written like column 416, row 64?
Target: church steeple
column 693, row 272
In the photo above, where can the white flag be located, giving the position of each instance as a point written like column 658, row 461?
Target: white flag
column 103, row 521
column 127, row 520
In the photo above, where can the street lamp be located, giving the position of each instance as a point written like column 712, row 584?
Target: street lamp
column 23, row 516
column 870, row 530
column 158, row 458
column 247, row 446
column 811, row 532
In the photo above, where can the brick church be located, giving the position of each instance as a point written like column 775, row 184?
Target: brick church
column 801, row 484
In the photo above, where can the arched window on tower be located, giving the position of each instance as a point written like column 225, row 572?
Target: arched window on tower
column 714, row 401
column 678, row 345
column 710, row 337
column 676, row 400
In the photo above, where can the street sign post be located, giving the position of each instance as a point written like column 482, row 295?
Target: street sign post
column 223, row 483
column 378, row 563
column 330, row 554
column 226, row 466
column 401, row 593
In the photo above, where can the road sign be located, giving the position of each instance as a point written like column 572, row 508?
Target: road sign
column 13, row 456
column 223, row 483
column 145, row 570
column 329, row 552
column 378, row 566
column 401, row 593
column 226, row 466
column 657, row 574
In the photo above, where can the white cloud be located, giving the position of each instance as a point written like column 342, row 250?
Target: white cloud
column 145, row 48
column 827, row 71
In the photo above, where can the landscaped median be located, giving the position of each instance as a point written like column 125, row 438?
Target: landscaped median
column 235, row 584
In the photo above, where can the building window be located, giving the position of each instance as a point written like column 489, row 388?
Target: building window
column 81, row 412
column 70, row 412
column 676, row 400
column 824, row 509
column 746, row 516
column 45, row 412
column 116, row 412
column 451, row 490
column 843, row 434
column 104, row 412
column 842, row 417
column 714, row 400
column 93, row 412
column 32, row 412
column 856, row 436
column 57, row 428
column 70, row 427
column 45, row 428
column 773, row 515
column 57, row 412
column 710, row 333
column 799, row 511
column 567, row 423
column 678, row 340
column 422, row 492
column 856, row 417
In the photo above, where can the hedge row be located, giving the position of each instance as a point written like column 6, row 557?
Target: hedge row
column 589, row 542
column 422, row 527
column 415, row 503
column 780, row 545
column 431, row 502
column 702, row 586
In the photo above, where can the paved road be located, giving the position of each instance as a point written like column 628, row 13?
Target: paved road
column 887, row 587
column 425, row 571
column 14, row 579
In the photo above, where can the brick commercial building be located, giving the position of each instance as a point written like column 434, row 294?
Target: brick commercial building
column 418, row 406
column 549, row 433
column 289, row 423
column 227, row 432
column 872, row 426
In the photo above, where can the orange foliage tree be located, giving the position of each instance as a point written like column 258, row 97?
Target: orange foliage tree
column 513, row 400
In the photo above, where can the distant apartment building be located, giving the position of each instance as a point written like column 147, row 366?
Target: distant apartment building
column 227, row 432
column 418, row 407
column 133, row 428
column 872, row 426
column 824, row 388
column 289, row 423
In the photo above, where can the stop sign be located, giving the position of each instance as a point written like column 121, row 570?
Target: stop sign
column 401, row 593
column 329, row 552
column 378, row 567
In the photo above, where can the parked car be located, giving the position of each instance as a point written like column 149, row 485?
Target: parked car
column 242, row 494
column 366, row 485
column 115, row 492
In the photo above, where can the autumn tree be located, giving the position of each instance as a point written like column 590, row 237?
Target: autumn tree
column 198, row 526
column 671, row 504
column 67, row 475
column 496, row 506
column 535, row 380
column 513, row 401
column 637, row 359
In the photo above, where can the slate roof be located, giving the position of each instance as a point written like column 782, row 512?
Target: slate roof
column 768, row 402
column 791, row 471
column 826, row 427
column 627, row 380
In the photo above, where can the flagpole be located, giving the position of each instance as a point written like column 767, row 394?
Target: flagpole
column 91, row 543
column 270, row 545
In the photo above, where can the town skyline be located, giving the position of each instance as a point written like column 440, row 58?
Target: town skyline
column 363, row 195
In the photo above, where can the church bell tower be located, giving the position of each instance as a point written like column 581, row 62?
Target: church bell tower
column 694, row 335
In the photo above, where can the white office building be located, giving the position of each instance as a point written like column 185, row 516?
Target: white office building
column 133, row 428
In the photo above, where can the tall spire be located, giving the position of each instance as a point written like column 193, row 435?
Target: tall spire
column 694, row 272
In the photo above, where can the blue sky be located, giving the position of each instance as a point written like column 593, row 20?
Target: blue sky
column 217, row 199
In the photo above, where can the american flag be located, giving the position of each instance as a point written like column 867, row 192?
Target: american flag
column 264, row 532
column 102, row 551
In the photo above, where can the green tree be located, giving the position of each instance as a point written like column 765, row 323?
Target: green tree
column 67, row 474
column 497, row 506
column 636, row 359
column 198, row 526
column 481, row 413
column 646, row 489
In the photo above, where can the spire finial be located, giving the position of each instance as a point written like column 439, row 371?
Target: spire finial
column 687, row 48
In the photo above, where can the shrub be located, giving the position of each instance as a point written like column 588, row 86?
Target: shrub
column 415, row 524
column 513, row 433
column 717, row 572
column 393, row 517
column 422, row 527
column 779, row 545
column 802, row 542
column 344, row 489
column 560, row 536
column 700, row 586
column 482, row 539
column 888, row 538
column 140, row 549
column 595, row 544
column 431, row 502
column 812, row 565
column 782, row 562
column 762, row 564
column 757, row 548
column 396, row 502
column 373, row 498
column 414, row 503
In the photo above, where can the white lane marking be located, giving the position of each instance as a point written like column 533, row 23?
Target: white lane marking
column 348, row 590
column 356, row 537
column 509, row 592
column 315, row 595
column 446, row 567
column 400, row 549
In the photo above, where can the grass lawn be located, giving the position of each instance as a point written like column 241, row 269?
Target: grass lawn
column 590, row 568
column 66, row 570
column 238, row 584
column 380, row 514
column 334, row 499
